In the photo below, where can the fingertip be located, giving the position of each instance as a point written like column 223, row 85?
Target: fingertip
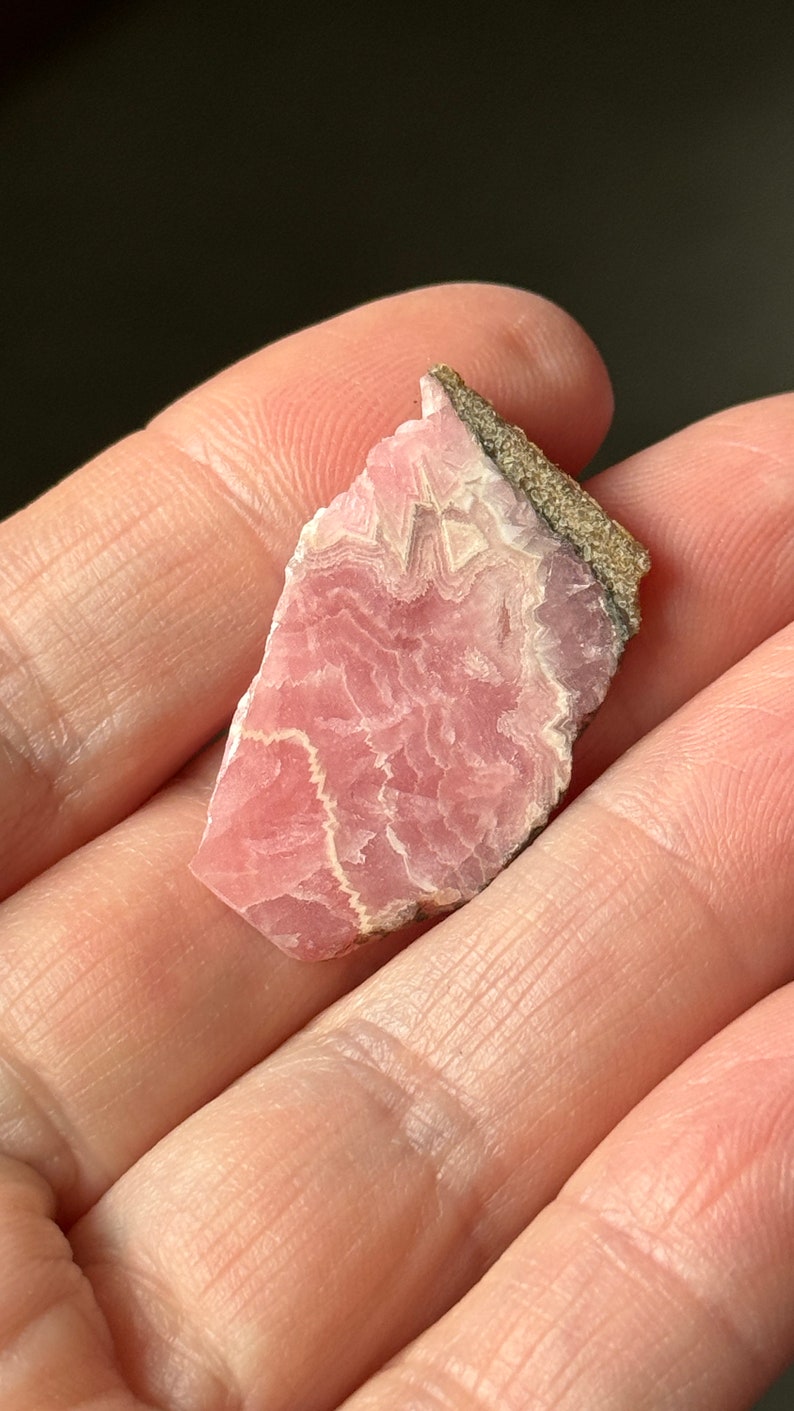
column 540, row 341
column 523, row 352
column 310, row 407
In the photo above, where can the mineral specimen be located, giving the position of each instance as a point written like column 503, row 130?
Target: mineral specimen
column 447, row 627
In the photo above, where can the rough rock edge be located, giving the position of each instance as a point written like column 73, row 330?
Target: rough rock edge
column 616, row 558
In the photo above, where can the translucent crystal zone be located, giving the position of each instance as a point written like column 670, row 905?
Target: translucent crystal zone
column 438, row 645
column 616, row 558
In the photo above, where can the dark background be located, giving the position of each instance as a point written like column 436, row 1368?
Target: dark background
column 181, row 182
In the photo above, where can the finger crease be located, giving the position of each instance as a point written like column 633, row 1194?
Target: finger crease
column 30, row 1132
column 36, row 755
column 632, row 1246
column 686, row 875
column 448, row 1385
column 182, row 1365
column 230, row 485
column 431, row 1119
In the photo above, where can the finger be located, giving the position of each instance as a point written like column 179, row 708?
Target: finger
column 370, row 1171
column 715, row 503
column 143, row 999
column 178, row 997
column 138, row 593
column 55, row 1350
column 662, row 1276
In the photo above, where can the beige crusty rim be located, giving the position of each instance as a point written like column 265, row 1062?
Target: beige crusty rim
column 616, row 558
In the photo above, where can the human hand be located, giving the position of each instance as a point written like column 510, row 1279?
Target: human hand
column 206, row 1205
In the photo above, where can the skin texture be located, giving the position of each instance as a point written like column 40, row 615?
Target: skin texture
column 562, row 1121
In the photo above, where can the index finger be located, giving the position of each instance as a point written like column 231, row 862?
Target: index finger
column 138, row 593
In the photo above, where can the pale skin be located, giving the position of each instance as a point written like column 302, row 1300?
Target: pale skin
column 539, row 1159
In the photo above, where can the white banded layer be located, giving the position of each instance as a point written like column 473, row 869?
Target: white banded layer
column 435, row 652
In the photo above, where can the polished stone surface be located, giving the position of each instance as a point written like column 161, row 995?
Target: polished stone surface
column 435, row 652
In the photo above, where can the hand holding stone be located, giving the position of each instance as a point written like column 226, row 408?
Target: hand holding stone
column 542, row 1153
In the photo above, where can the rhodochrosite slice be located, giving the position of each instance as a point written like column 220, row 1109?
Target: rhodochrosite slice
column 447, row 626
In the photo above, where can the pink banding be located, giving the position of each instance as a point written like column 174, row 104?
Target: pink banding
column 434, row 654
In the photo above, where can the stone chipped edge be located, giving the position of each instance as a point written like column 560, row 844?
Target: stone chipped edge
column 616, row 558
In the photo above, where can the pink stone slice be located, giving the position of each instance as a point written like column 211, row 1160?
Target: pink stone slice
column 447, row 627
